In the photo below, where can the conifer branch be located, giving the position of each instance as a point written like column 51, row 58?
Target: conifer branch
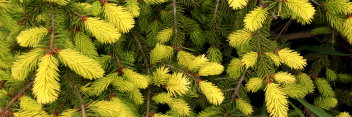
column 175, row 16
column 180, row 70
column 78, row 94
column 146, row 63
column 148, row 102
column 140, row 48
column 296, row 35
column 57, row 109
column 216, row 9
column 237, row 88
column 315, row 2
column 83, row 110
column 118, row 63
column 6, row 112
column 52, row 29
column 225, row 78
column 284, row 28
column 230, row 89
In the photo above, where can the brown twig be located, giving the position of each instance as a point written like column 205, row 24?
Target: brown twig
column 180, row 70
column 120, row 67
column 52, row 29
column 57, row 109
column 230, row 89
column 78, row 94
column 284, row 28
column 315, row 2
column 237, row 88
column 175, row 15
column 83, row 110
column 148, row 102
column 297, row 35
column 216, row 9
column 146, row 63
column 6, row 112
column 140, row 48
column 225, row 78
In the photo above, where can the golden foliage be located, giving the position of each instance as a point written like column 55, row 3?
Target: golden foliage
column 165, row 35
column 108, row 108
column 276, row 100
column 177, row 84
column 348, row 29
column 132, row 7
column 46, row 87
column 119, row 17
column 338, row 6
column 284, row 77
column 140, row 81
column 184, row 58
column 254, row 84
column 239, row 38
column 324, row 87
column 136, row 96
column 160, row 76
column 306, row 82
column 99, row 85
column 295, row 90
column 249, row 59
column 211, row 69
column 123, row 85
column 235, row 68
column 177, row 105
column 211, row 92
column 237, row 4
column 255, row 19
column 155, row 1
column 82, row 65
column 26, row 63
column 292, row 58
column 325, row 102
column 160, row 115
column 160, row 52
column 275, row 58
column 101, row 30
column 301, row 8
column 127, row 111
column 27, row 103
column 85, row 45
column 32, row 36
column 30, row 113
column 244, row 106
column 59, row 2
column 197, row 63
column 68, row 113
column 343, row 114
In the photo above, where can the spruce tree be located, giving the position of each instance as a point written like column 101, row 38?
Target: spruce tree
column 175, row 58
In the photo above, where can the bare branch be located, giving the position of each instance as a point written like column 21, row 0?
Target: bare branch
column 216, row 9
column 6, row 112
column 78, row 94
column 175, row 15
column 180, row 70
column 52, row 29
column 237, row 88
column 315, row 2
column 146, row 63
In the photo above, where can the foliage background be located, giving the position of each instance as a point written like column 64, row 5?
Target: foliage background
column 160, row 58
